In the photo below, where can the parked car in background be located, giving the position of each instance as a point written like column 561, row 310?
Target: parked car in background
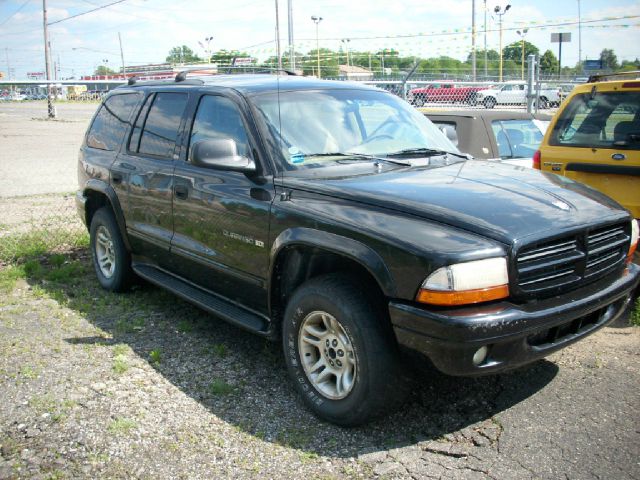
column 444, row 92
column 511, row 137
column 515, row 93
column 595, row 138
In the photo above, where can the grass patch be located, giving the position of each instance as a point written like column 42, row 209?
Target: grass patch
column 121, row 426
column 129, row 325
column 120, row 364
column 19, row 247
column 9, row 276
column 29, row 372
column 185, row 326
column 57, row 409
column 219, row 387
column 634, row 318
column 219, row 350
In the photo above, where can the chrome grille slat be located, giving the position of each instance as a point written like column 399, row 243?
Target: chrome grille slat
column 571, row 261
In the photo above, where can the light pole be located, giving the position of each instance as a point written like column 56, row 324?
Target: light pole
column 485, row 41
column 316, row 19
column 207, row 49
column 522, row 34
column 346, row 41
column 500, row 12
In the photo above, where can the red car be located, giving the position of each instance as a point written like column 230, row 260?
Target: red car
column 444, row 92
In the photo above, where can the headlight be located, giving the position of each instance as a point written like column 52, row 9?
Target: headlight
column 634, row 238
column 466, row 283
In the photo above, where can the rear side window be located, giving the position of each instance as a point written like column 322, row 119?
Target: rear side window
column 608, row 120
column 112, row 122
column 516, row 138
column 449, row 129
column 157, row 126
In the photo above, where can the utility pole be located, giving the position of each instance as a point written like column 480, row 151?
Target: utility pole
column 122, row 56
column 50, row 110
column 579, row 36
column 473, row 39
column 292, row 50
column 317, row 19
column 485, row 40
column 278, row 38
column 500, row 12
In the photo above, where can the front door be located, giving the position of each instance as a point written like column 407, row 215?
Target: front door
column 221, row 218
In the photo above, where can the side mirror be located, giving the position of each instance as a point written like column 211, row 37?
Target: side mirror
column 222, row 154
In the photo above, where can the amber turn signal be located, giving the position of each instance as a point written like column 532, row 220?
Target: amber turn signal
column 464, row 297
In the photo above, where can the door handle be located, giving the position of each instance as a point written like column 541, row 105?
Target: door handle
column 181, row 191
column 116, row 178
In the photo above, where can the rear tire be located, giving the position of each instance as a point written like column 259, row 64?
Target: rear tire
column 111, row 260
column 340, row 350
column 489, row 102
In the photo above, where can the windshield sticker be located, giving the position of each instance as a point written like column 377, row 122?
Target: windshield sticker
column 295, row 156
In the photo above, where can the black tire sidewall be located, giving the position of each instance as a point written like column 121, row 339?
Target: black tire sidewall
column 120, row 279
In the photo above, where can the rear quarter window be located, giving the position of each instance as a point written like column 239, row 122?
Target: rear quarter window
column 112, row 121
column 608, row 120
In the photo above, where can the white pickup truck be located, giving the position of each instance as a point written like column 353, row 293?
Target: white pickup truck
column 515, row 93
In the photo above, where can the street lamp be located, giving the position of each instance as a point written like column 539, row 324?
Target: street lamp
column 316, row 19
column 522, row 34
column 346, row 41
column 500, row 12
column 207, row 49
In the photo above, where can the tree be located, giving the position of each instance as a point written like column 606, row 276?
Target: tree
column 182, row 54
column 104, row 70
column 513, row 51
column 548, row 62
column 609, row 59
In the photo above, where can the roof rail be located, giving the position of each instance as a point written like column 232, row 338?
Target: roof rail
column 633, row 75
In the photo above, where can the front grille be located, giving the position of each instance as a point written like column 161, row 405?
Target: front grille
column 568, row 262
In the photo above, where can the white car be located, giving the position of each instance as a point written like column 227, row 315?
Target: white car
column 515, row 93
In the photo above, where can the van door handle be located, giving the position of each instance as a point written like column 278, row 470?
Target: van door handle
column 116, row 178
column 181, row 191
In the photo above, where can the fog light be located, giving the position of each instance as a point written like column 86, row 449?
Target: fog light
column 480, row 355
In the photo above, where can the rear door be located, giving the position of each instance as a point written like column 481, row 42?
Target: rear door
column 145, row 171
column 596, row 140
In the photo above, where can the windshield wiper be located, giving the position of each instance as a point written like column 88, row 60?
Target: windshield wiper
column 427, row 152
column 359, row 156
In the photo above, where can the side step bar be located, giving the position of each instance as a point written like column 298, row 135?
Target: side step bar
column 208, row 301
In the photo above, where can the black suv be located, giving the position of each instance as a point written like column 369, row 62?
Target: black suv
column 337, row 218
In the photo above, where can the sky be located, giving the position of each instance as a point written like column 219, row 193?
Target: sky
column 428, row 28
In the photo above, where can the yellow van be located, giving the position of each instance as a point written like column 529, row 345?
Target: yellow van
column 595, row 138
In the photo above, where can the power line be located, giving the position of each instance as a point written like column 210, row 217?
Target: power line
column 15, row 13
column 87, row 12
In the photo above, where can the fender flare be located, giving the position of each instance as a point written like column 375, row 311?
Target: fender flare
column 108, row 191
column 352, row 249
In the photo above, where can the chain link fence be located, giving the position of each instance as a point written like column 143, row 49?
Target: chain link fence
column 36, row 224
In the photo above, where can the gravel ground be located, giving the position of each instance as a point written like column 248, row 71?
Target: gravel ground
column 142, row 385
column 38, row 155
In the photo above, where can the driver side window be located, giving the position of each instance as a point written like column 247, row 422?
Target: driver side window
column 219, row 117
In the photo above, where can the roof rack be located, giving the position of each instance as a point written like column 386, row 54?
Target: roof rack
column 604, row 77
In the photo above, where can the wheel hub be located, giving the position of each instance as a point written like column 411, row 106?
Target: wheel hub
column 326, row 353
column 104, row 252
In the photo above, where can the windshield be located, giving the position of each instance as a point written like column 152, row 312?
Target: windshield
column 312, row 126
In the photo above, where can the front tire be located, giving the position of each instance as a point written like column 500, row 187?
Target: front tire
column 340, row 350
column 111, row 260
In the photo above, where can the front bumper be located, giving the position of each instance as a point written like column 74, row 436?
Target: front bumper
column 81, row 206
column 514, row 334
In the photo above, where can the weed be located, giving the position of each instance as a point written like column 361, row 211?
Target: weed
column 308, row 457
column 185, row 326
column 120, row 364
column 219, row 350
column 47, row 404
column 121, row 426
column 28, row 372
column 129, row 325
column 9, row 276
column 293, row 437
column 67, row 273
column 155, row 356
column 219, row 387
column 120, row 349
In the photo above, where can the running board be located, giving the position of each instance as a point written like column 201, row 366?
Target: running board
column 214, row 304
